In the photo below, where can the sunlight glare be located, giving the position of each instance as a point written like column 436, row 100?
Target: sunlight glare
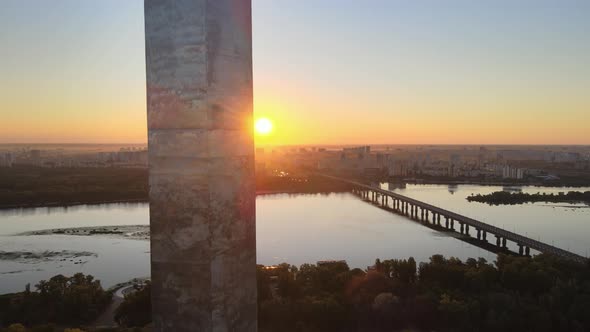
column 263, row 126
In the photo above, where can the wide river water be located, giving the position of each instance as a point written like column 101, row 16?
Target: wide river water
column 290, row 228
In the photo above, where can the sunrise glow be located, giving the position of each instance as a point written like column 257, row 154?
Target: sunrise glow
column 263, row 126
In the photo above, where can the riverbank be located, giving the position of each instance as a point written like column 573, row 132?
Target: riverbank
column 549, row 184
column 30, row 187
column 26, row 186
column 132, row 201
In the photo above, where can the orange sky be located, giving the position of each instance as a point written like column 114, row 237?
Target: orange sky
column 402, row 74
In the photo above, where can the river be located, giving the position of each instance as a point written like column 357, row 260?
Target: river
column 302, row 228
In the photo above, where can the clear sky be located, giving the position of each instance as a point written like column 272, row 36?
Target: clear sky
column 325, row 71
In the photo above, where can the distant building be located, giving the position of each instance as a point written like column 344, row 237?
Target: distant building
column 6, row 159
column 260, row 168
column 359, row 149
column 509, row 172
column 372, row 172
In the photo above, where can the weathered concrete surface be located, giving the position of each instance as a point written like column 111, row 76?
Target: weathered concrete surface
column 201, row 156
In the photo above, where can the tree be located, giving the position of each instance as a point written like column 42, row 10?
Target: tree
column 136, row 309
column 64, row 300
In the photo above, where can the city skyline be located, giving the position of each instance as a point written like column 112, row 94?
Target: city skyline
column 466, row 73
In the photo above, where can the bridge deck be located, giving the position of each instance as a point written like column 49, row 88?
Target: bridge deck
column 514, row 237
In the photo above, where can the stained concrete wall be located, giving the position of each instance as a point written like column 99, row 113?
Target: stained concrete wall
column 201, row 160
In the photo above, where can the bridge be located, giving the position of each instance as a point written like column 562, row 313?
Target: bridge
column 431, row 216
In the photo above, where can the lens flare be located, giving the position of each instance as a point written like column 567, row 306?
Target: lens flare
column 263, row 126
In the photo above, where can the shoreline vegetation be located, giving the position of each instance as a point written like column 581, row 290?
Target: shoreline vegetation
column 540, row 293
column 31, row 187
column 508, row 198
column 24, row 187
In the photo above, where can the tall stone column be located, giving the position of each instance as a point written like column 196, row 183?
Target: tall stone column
column 201, row 159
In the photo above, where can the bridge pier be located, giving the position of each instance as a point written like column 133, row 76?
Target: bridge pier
column 498, row 239
column 461, row 227
column 504, row 242
column 479, row 234
column 466, row 229
column 484, row 236
column 447, row 222
column 520, row 249
column 527, row 251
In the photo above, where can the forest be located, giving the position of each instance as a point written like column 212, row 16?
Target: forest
column 542, row 293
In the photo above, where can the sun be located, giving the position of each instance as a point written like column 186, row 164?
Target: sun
column 263, row 126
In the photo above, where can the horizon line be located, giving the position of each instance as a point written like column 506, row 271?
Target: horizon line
column 321, row 144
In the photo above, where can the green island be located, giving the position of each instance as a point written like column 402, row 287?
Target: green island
column 504, row 197
column 542, row 293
